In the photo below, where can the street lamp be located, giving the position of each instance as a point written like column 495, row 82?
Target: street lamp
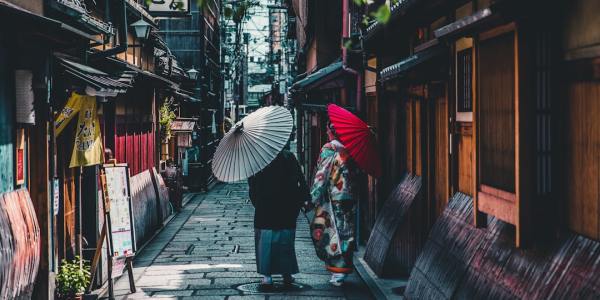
column 142, row 29
column 193, row 73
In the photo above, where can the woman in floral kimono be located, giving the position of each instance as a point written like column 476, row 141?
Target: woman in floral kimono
column 333, row 227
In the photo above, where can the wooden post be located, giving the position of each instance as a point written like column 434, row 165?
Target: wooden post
column 129, row 264
column 96, row 259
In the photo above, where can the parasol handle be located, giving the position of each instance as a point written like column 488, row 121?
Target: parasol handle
column 372, row 129
column 239, row 127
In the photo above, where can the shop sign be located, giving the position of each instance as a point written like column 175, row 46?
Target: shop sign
column 25, row 112
column 55, row 195
column 168, row 7
column 20, row 159
column 184, row 139
column 87, row 149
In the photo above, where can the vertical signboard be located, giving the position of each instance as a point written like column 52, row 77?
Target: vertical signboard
column 20, row 159
column 121, row 221
column 168, row 8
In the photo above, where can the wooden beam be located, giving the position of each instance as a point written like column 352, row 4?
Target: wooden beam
column 500, row 208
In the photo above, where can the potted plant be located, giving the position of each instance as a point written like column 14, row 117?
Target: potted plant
column 72, row 279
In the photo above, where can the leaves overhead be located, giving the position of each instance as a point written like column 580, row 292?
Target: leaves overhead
column 382, row 14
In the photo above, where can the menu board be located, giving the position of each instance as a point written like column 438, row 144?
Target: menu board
column 119, row 198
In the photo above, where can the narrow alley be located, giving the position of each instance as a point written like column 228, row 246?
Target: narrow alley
column 207, row 252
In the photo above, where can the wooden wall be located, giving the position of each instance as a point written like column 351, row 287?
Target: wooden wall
column 439, row 154
column 496, row 119
column 464, row 136
column 135, row 136
column 581, row 125
column 583, row 158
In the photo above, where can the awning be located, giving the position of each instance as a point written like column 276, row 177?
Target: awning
column 98, row 80
column 158, row 79
column 183, row 125
column 464, row 25
column 11, row 13
column 119, row 66
column 398, row 9
column 319, row 77
column 400, row 68
column 186, row 97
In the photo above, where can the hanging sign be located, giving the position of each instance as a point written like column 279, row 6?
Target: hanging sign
column 169, row 7
column 25, row 112
column 20, row 163
column 56, row 195
column 184, row 139
column 87, row 149
column 68, row 112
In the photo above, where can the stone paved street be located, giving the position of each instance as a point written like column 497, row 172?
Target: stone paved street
column 207, row 251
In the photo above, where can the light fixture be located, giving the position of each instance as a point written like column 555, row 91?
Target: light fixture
column 193, row 73
column 142, row 29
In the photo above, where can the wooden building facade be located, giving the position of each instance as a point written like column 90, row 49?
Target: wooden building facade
column 486, row 103
column 90, row 48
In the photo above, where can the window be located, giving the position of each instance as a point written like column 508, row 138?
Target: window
column 464, row 80
column 464, row 90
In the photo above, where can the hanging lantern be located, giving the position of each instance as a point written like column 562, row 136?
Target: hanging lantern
column 142, row 29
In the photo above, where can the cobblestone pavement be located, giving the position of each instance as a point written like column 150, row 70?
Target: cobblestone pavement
column 207, row 251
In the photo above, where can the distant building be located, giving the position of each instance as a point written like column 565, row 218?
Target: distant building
column 255, row 93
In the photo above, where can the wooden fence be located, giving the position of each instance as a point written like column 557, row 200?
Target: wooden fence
column 19, row 245
column 151, row 205
column 460, row 261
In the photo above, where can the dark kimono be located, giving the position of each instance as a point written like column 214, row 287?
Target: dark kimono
column 333, row 227
column 277, row 193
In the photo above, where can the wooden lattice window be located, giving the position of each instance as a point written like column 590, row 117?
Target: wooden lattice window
column 464, row 80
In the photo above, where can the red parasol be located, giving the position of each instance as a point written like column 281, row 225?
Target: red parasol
column 357, row 137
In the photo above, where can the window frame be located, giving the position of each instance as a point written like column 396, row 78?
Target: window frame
column 461, row 45
column 487, row 199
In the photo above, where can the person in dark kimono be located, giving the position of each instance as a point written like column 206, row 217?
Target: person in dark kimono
column 277, row 193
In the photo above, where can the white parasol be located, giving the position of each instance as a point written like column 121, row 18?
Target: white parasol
column 252, row 144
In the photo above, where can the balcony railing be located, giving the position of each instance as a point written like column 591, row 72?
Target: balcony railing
column 141, row 9
column 77, row 10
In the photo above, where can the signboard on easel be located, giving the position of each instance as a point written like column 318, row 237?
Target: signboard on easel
column 118, row 229
column 122, row 232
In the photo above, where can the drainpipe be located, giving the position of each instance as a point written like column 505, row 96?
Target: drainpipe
column 346, row 34
column 122, row 47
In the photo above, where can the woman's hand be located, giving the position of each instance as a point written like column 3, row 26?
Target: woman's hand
column 307, row 206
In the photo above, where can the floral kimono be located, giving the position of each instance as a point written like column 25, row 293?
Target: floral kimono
column 331, row 193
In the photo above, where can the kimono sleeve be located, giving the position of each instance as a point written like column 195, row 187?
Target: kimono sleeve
column 319, row 190
column 252, row 190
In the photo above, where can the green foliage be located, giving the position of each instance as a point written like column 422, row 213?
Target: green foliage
column 166, row 116
column 382, row 14
column 348, row 44
column 228, row 12
column 72, row 278
column 239, row 11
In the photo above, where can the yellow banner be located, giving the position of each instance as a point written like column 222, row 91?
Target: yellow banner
column 67, row 113
column 87, row 150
